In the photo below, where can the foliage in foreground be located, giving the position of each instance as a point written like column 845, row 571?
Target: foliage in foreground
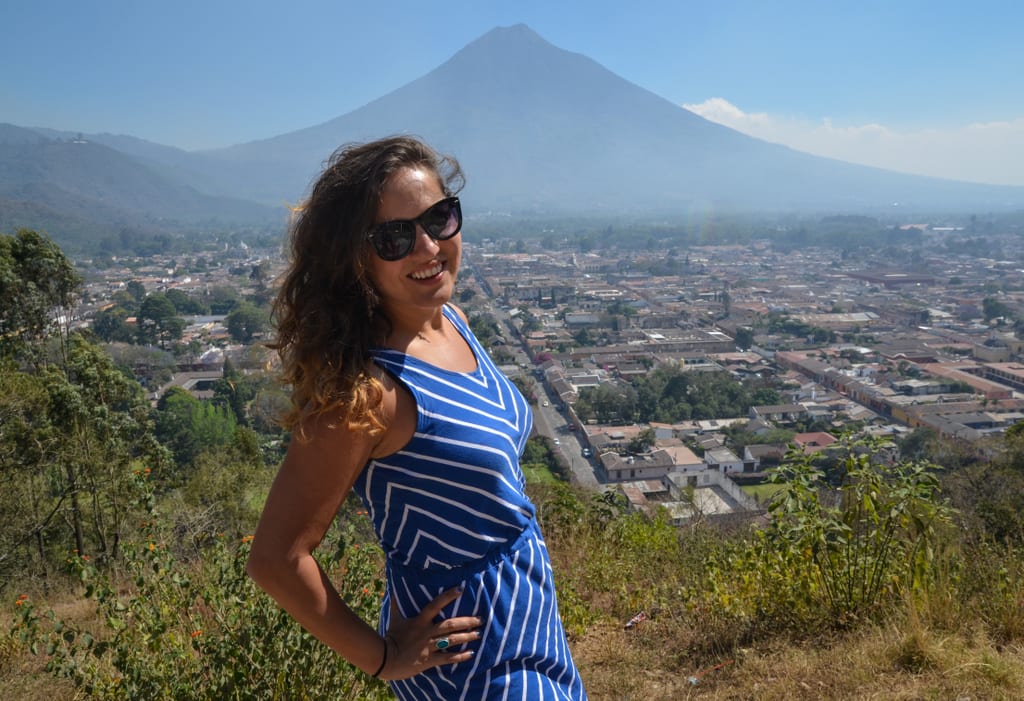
column 169, row 628
column 829, row 559
column 828, row 563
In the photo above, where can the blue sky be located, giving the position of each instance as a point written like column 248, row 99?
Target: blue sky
column 935, row 88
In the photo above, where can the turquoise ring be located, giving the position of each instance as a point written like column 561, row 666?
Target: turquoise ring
column 442, row 643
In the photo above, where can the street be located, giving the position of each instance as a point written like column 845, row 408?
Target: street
column 550, row 422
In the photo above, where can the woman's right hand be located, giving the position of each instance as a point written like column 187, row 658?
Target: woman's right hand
column 412, row 642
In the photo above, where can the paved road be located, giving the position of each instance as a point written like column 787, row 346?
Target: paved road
column 551, row 422
column 548, row 420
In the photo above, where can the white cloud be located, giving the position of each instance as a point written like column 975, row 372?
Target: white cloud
column 991, row 152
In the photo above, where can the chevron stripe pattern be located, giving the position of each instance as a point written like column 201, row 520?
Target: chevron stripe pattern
column 449, row 509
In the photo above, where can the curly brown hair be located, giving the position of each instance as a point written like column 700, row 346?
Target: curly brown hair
column 327, row 313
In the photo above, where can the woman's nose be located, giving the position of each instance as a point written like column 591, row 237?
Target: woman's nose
column 425, row 240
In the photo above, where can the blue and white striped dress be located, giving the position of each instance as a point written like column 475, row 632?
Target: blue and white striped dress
column 449, row 509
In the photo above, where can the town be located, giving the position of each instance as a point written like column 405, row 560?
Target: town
column 620, row 347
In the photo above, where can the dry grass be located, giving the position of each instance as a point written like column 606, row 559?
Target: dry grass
column 902, row 661
column 880, row 663
column 23, row 677
column 960, row 641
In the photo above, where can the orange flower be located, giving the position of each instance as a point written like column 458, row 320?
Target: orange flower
column 247, row 538
column 196, row 633
column 152, row 547
column 85, row 557
column 366, row 590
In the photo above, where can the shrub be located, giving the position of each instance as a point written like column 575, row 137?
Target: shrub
column 873, row 537
column 169, row 629
column 828, row 558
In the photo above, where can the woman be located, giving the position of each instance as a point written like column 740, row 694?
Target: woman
column 393, row 397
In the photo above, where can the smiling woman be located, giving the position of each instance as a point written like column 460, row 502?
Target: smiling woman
column 394, row 398
column 418, row 274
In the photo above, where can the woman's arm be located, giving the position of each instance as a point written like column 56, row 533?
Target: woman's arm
column 314, row 479
column 304, row 499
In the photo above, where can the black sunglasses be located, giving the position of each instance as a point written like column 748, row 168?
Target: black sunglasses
column 395, row 239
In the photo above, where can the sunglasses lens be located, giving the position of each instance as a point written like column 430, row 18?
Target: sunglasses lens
column 394, row 240
column 441, row 221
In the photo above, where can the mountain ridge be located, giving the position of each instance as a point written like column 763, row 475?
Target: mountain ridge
column 538, row 129
column 80, row 190
column 575, row 117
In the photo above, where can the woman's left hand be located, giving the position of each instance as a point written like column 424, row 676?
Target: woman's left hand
column 413, row 642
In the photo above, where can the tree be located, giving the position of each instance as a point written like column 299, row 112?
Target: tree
column 151, row 366
column 642, row 442
column 158, row 321
column 526, row 387
column 765, row 396
column 74, row 430
column 823, row 335
column 608, row 403
column 83, row 439
column 485, row 328
column 188, row 426
column 27, row 446
column 245, row 321
column 538, row 455
column 620, row 308
column 670, row 394
column 111, row 325
column 223, row 299
column 185, row 303
column 136, row 290
column 529, row 321
column 260, row 273
column 38, row 287
column 918, row 444
column 71, row 440
column 744, row 338
column 225, row 487
column 234, row 391
column 582, row 337
column 992, row 308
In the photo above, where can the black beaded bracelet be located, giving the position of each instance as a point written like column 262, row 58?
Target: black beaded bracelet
column 384, row 661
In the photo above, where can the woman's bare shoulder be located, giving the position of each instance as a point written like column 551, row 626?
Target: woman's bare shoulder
column 458, row 310
column 397, row 413
column 332, row 437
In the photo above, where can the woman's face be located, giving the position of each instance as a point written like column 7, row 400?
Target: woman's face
column 424, row 279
